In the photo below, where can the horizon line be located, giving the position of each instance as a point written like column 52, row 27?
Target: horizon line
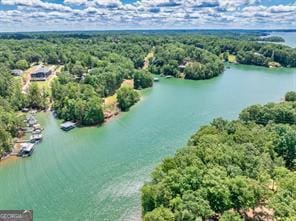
column 156, row 29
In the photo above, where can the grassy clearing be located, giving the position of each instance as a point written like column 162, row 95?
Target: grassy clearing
column 232, row 58
column 110, row 103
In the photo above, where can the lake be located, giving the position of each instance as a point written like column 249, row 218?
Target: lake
column 290, row 38
column 96, row 173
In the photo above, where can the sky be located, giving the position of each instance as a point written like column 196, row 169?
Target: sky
column 61, row 15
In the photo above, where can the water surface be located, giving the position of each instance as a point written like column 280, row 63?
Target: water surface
column 96, row 173
column 290, row 38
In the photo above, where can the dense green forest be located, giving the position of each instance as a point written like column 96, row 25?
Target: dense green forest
column 94, row 66
column 230, row 170
column 180, row 60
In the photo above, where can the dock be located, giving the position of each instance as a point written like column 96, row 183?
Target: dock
column 35, row 136
column 26, row 149
column 69, row 125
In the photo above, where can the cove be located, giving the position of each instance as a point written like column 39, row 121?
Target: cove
column 95, row 173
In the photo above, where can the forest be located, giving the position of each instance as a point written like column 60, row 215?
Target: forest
column 230, row 170
column 95, row 65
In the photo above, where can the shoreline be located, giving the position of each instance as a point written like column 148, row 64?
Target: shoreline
column 16, row 144
column 13, row 153
column 109, row 115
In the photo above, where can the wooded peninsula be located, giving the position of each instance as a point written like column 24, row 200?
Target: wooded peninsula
column 231, row 170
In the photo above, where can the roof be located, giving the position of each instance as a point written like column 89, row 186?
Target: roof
column 42, row 69
column 68, row 124
column 27, row 146
column 17, row 71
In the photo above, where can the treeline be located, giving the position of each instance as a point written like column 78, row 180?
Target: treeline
column 271, row 39
column 87, row 49
column 284, row 113
column 245, row 49
column 230, row 170
column 181, row 60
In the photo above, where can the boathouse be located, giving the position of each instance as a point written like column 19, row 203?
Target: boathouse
column 68, row 126
column 26, row 149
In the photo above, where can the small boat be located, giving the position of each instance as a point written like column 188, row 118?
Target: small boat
column 37, row 131
column 156, row 79
column 31, row 121
column 168, row 76
column 26, row 150
column 37, row 127
column 36, row 137
column 69, row 125
column 25, row 110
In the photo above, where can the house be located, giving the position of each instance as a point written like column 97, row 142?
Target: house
column 68, row 126
column 41, row 74
column 182, row 67
column 17, row 72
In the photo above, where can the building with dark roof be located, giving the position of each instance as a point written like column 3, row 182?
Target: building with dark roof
column 41, row 74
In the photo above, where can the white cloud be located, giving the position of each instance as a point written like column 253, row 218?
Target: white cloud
column 75, row 2
column 98, row 14
column 37, row 3
column 283, row 8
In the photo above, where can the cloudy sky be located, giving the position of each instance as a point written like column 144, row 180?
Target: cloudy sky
column 44, row 15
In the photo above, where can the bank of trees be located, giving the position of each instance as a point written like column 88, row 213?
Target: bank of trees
column 127, row 97
column 142, row 79
column 273, row 112
column 290, row 96
column 228, row 169
column 77, row 102
column 181, row 60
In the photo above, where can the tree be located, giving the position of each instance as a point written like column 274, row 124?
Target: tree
column 127, row 97
column 18, row 99
column 290, row 96
column 231, row 216
column 35, row 97
column 142, row 80
column 94, row 112
column 77, row 70
column 159, row 214
column 22, row 64
column 5, row 141
column 286, row 145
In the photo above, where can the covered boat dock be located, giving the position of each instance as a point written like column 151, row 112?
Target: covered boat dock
column 69, row 125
